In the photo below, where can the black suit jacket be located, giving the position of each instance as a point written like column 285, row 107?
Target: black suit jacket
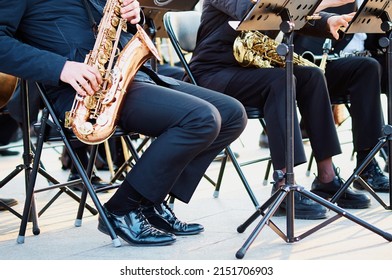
column 37, row 52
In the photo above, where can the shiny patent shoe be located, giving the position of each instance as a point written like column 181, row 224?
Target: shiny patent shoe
column 304, row 208
column 350, row 199
column 163, row 217
column 135, row 229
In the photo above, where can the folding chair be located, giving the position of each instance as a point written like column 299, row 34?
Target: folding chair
column 182, row 27
column 51, row 129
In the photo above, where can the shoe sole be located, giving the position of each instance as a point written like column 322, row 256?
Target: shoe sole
column 187, row 233
column 342, row 203
column 13, row 203
column 103, row 229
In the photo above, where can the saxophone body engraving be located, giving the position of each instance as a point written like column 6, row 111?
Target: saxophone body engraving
column 94, row 118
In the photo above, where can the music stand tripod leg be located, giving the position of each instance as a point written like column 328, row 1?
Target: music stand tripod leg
column 29, row 211
column 285, row 50
column 356, row 174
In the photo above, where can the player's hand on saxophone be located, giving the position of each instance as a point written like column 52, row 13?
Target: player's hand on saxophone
column 85, row 79
column 130, row 11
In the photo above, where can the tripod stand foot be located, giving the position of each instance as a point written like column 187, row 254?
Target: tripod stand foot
column 216, row 194
column 36, row 231
column 387, row 236
column 78, row 223
column 20, row 239
column 116, row 242
column 240, row 253
column 241, row 228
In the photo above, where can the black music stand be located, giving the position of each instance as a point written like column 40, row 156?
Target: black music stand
column 154, row 11
column 293, row 15
column 374, row 17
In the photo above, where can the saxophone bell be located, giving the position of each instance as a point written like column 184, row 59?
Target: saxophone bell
column 316, row 59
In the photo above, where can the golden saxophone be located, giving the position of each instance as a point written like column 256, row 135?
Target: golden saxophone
column 93, row 118
column 253, row 48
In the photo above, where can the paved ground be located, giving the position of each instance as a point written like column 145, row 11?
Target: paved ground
column 59, row 239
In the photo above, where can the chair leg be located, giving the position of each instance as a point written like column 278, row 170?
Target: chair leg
column 90, row 189
column 267, row 172
column 109, row 159
column 220, row 175
column 242, row 176
column 80, row 169
column 310, row 163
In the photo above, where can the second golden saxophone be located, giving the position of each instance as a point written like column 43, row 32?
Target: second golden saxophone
column 253, row 48
column 93, row 118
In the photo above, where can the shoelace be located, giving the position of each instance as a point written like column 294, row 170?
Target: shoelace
column 168, row 209
column 377, row 170
column 145, row 226
column 177, row 222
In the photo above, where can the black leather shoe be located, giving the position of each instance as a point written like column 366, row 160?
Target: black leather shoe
column 97, row 182
column 135, row 229
column 7, row 153
column 304, row 208
column 263, row 140
column 374, row 177
column 350, row 199
column 163, row 217
column 7, row 201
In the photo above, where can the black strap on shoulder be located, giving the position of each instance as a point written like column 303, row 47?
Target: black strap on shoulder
column 94, row 24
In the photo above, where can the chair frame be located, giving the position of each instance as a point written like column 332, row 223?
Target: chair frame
column 50, row 120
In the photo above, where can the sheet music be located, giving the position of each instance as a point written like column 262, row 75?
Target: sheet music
column 266, row 15
column 367, row 19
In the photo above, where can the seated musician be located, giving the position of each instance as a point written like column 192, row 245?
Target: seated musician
column 215, row 67
column 47, row 41
column 356, row 74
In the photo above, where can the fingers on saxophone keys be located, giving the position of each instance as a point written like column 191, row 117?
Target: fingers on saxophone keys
column 83, row 88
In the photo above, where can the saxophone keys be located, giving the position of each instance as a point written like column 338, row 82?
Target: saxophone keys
column 89, row 102
column 115, row 21
column 68, row 120
column 86, row 128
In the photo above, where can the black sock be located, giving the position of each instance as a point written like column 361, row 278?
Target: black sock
column 147, row 203
column 125, row 200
